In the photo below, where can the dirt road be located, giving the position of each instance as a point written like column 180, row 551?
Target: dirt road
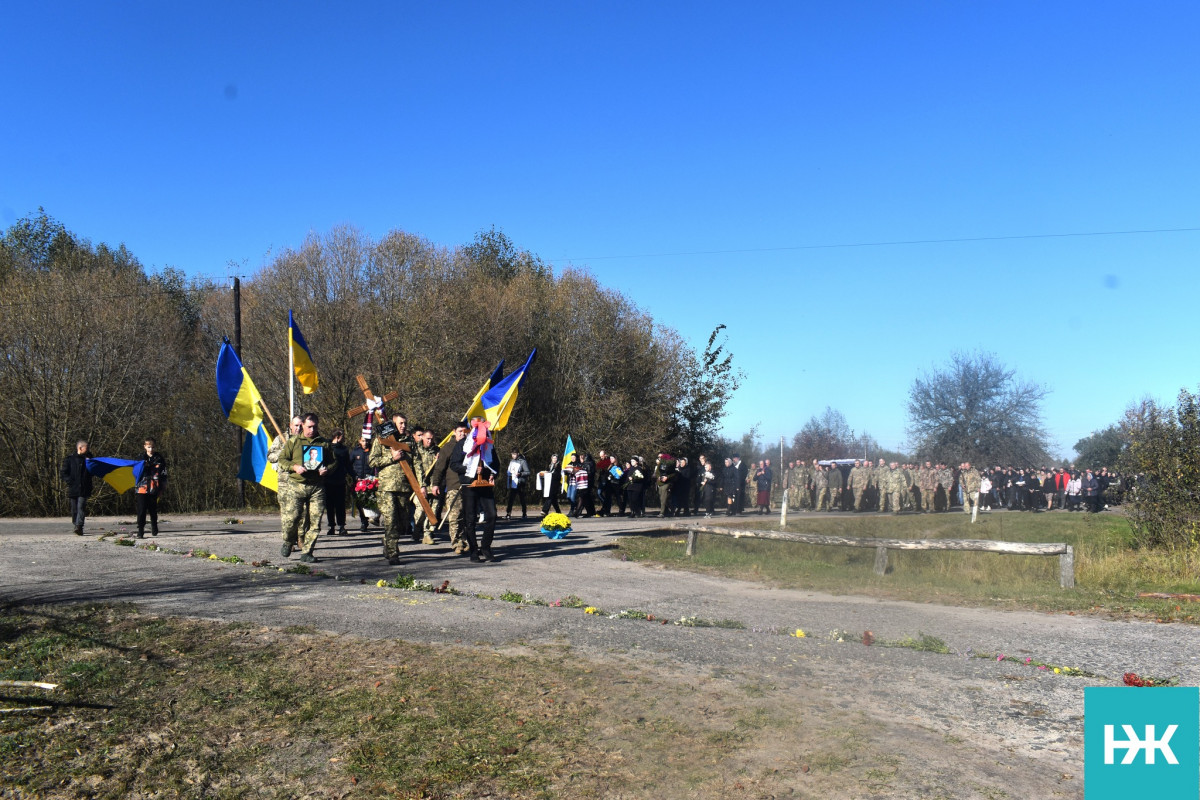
column 940, row 725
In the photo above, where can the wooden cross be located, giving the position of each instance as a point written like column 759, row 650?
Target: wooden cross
column 395, row 444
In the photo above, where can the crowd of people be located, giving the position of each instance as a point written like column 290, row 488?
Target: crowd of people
column 419, row 491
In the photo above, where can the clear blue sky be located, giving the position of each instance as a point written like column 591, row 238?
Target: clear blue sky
column 692, row 155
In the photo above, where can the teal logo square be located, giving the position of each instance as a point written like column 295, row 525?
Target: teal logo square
column 1141, row 742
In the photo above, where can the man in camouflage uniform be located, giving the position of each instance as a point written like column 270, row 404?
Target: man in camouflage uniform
column 945, row 481
column 395, row 503
column 284, row 492
column 971, row 480
column 860, row 479
column 895, row 487
column 879, row 481
column 836, row 483
column 927, row 483
column 820, row 481
column 306, row 495
column 424, row 457
column 445, row 483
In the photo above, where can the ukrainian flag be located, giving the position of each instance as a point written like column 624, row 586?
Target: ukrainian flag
column 240, row 399
column 302, row 363
column 499, row 400
column 476, row 407
column 568, row 451
column 119, row 473
column 255, row 466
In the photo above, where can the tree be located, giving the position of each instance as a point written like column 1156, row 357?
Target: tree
column 709, row 382
column 1101, row 449
column 976, row 409
column 1164, row 458
column 824, row 436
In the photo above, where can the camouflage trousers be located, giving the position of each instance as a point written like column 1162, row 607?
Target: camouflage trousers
column 896, row 496
column 858, row 497
column 302, row 509
column 452, row 514
column 422, row 525
column 394, row 513
column 927, row 496
column 824, row 499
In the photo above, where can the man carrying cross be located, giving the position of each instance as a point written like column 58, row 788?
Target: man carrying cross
column 395, row 507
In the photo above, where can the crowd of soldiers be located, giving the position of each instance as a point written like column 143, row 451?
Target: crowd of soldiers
column 861, row 486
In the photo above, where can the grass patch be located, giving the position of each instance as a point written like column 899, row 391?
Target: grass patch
column 156, row 707
column 1109, row 571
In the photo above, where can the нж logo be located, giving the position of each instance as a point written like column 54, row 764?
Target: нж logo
column 1133, row 744
column 1141, row 742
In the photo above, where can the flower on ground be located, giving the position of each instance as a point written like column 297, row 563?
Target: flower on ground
column 590, row 610
column 1057, row 670
column 381, row 583
column 799, row 634
column 556, row 522
column 212, row 555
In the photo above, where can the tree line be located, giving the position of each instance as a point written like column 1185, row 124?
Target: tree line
column 97, row 347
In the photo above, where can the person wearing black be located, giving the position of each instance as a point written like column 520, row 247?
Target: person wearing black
column 518, row 476
column 75, row 475
column 149, row 487
column 360, row 469
column 740, row 493
column 585, row 503
column 338, row 465
column 732, row 483
column 635, row 488
column 708, row 487
column 554, row 475
column 477, row 498
column 681, row 490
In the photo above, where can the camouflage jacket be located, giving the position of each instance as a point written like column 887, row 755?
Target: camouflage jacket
column 293, row 454
column 423, row 460
column 391, row 474
column 971, row 479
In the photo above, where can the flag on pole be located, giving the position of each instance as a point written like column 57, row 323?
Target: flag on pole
column 568, row 451
column 254, row 466
column 241, row 403
column 240, row 399
column 302, row 363
column 119, row 473
column 476, row 408
column 499, row 400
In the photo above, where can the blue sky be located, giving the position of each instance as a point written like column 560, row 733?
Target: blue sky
column 696, row 156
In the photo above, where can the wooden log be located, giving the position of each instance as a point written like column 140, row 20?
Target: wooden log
column 982, row 545
column 30, row 685
column 691, row 543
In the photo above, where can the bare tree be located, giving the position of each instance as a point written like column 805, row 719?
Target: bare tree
column 976, row 409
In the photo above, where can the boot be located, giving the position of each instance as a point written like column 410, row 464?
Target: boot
column 79, row 530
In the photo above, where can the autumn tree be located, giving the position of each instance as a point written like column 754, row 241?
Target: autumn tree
column 976, row 409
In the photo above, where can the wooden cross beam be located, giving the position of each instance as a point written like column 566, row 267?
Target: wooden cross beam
column 395, row 444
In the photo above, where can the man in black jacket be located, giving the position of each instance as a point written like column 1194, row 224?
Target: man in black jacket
column 75, row 475
column 477, row 476
column 149, row 487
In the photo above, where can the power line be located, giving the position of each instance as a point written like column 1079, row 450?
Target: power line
column 881, row 244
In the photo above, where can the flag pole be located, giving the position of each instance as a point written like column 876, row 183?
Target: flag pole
column 291, row 373
column 274, row 424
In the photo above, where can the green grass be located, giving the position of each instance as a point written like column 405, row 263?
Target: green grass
column 1109, row 572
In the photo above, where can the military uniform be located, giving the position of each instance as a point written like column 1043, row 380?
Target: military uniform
column 423, row 460
column 305, row 495
column 395, row 495
column 664, row 480
column 283, row 494
column 860, row 479
column 927, row 483
column 836, row 483
column 971, row 479
column 821, row 488
column 451, row 510
column 895, row 489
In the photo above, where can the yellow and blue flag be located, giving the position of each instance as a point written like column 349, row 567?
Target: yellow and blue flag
column 499, row 400
column 119, row 473
column 240, row 400
column 476, row 407
column 254, row 466
column 568, row 451
column 302, row 363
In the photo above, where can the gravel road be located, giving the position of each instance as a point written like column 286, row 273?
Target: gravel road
column 1028, row 722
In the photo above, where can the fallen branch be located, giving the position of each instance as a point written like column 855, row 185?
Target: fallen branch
column 31, row 685
column 1195, row 598
column 25, row 709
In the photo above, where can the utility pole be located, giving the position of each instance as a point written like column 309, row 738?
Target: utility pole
column 237, row 348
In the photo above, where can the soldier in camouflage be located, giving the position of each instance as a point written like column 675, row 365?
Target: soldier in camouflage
column 927, row 483
column 285, row 486
column 820, row 481
column 945, row 479
column 424, row 457
column 395, row 504
column 894, row 478
column 860, row 479
column 305, row 474
column 879, row 481
column 971, row 480
column 444, row 483
column 836, row 484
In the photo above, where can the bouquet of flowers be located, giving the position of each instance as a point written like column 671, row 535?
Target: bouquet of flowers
column 364, row 491
column 556, row 526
